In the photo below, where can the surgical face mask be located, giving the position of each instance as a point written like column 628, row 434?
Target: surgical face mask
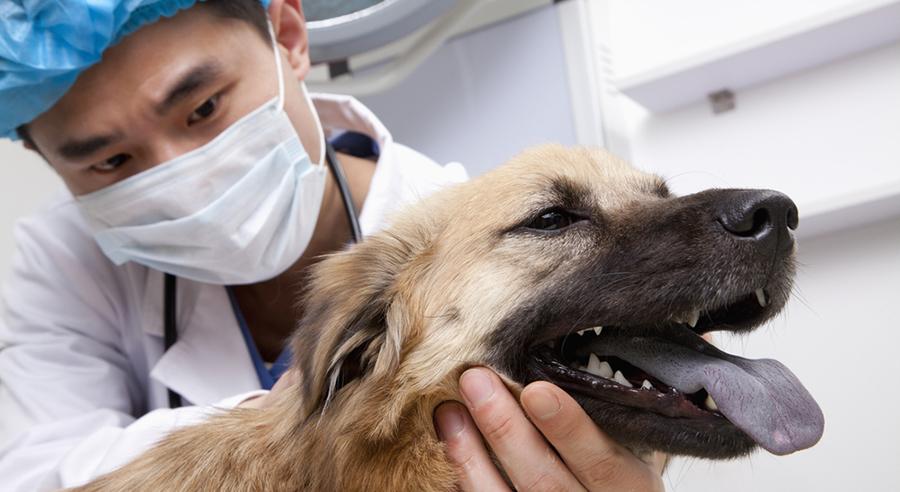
column 240, row 209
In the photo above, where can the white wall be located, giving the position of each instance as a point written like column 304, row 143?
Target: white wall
column 26, row 182
column 647, row 34
column 485, row 96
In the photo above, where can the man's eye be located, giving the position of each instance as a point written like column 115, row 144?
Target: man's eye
column 111, row 164
column 204, row 111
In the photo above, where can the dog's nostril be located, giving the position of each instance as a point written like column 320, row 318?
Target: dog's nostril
column 749, row 224
column 793, row 217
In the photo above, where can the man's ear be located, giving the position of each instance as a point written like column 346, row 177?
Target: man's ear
column 290, row 32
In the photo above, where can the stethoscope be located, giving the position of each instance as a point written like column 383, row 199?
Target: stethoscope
column 170, row 287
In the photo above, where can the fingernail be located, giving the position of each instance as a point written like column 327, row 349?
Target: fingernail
column 541, row 403
column 476, row 386
column 450, row 421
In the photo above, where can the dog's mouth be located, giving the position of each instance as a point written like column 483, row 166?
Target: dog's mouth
column 667, row 371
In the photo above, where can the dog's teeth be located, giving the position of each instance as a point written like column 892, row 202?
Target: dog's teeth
column 596, row 367
column 593, row 366
column 596, row 330
column 761, row 297
column 710, row 403
column 646, row 385
column 693, row 318
column 606, row 370
column 619, row 378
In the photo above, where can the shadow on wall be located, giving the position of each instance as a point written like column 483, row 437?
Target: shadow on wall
column 485, row 96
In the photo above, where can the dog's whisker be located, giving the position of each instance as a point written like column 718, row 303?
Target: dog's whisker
column 717, row 177
column 562, row 344
column 795, row 294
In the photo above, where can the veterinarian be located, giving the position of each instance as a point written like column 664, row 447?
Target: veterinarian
column 201, row 181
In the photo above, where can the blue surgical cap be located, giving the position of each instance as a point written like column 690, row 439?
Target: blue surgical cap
column 46, row 44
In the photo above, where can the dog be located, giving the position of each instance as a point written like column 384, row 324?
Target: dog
column 566, row 265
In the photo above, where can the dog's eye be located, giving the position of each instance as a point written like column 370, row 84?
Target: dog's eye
column 552, row 220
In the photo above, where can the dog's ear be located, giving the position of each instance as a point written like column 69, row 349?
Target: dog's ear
column 355, row 321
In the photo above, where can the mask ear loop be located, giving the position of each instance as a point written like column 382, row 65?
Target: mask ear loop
column 320, row 133
column 278, row 68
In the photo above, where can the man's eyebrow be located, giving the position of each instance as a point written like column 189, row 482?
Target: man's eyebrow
column 192, row 81
column 79, row 149
column 195, row 79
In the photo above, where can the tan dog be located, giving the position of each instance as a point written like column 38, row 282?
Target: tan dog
column 517, row 270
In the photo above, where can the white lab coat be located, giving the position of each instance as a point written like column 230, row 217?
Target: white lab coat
column 83, row 376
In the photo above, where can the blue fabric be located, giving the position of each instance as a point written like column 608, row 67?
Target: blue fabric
column 356, row 144
column 46, row 44
column 267, row 377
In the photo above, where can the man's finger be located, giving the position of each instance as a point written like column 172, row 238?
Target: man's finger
column 528, row 460
column 596, row 460
column 466, row 450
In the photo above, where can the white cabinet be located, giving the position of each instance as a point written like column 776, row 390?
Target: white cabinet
column 809, row 119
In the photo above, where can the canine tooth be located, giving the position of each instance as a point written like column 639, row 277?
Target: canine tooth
column 646, row 385
column 693, row 318
column 597, row 330
column 593, row 366
column 761, row 297
column 619, row 378
column 606, row 370
column 581, row 332
column 710, row 403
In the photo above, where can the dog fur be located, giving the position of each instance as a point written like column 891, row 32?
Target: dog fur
column 391, row 323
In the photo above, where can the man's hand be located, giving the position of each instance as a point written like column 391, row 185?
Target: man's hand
column 288, row 379
column 559, row 448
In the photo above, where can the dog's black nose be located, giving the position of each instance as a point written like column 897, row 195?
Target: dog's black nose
column 765, row 216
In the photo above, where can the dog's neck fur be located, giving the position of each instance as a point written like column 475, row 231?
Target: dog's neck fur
column 304, row 454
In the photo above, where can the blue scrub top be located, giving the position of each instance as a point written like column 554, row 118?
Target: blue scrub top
column 267, row 375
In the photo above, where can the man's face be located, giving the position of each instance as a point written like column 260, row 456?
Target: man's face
column 165, row 90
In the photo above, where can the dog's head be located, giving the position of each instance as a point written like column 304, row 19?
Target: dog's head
column 519, row 270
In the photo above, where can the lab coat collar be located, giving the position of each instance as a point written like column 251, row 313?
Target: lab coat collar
column 337, row 113
column 346, row 113
column 210, row 361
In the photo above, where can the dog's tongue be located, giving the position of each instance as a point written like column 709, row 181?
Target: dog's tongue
column 761, row 397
